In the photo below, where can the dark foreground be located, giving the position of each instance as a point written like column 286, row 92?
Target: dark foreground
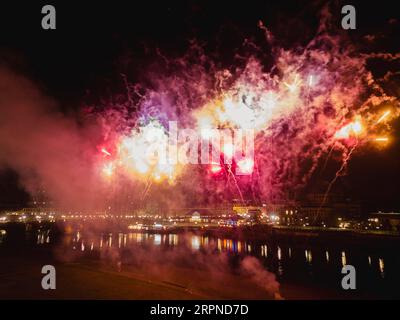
column 20, row 278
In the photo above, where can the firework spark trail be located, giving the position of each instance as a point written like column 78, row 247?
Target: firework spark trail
column 341, row 169
column 237, row 186
column 383, row 117
column 328, row 157
column 146, row 189
column 250, row 105
column 295, row 97
column 229, row 174
column 104, row 150
column 295, row 109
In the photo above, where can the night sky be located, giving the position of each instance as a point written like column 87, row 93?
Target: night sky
column 94, row 43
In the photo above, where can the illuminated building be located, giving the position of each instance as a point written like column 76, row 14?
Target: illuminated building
column 321, row 209
column 385, row 220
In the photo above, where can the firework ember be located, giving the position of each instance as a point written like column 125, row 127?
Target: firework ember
column 200, row 150
column 317, row 100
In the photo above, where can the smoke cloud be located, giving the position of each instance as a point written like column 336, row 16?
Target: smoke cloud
column 307, row 103
column 48, row 149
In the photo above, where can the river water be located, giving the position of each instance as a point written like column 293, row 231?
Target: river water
column 311, row 264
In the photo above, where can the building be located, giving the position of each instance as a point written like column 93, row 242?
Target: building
column 384, row 220
column 321, row 209
column 198, row 216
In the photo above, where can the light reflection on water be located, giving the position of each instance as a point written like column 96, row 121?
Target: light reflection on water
column 279, row 253
column 344, row 260
column 264, row 251
column 196, row 242
column 173, row 239
column 43, row 237
column 157, row 239
column 382, row 267
column 308, row 255
column 279, row 258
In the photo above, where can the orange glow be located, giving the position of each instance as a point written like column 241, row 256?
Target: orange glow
column 382, row 139
column 383, row 116
column 354, row 128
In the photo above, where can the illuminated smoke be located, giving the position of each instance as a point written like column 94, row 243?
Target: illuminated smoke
column 314, row 101
column 48, row 149
column 253, row 268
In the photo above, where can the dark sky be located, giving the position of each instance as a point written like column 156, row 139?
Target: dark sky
column 93, row 41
